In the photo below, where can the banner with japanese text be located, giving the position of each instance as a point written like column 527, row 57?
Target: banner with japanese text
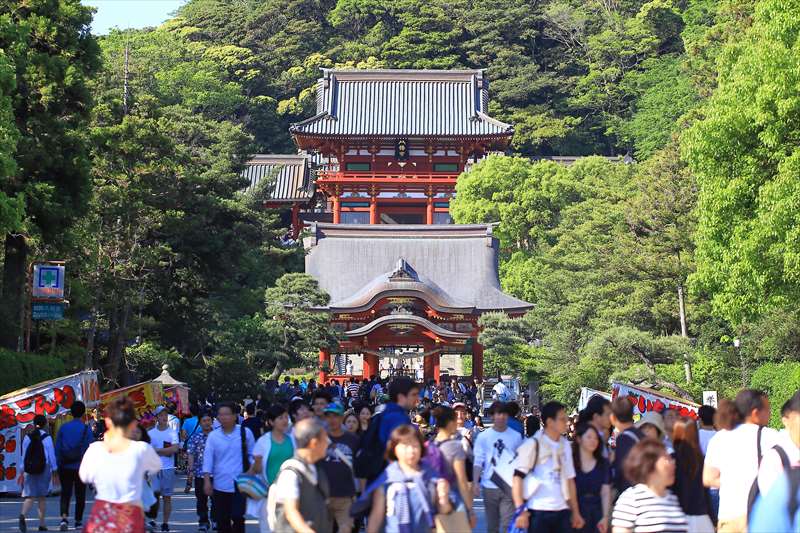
column 645, row 400
column 145, row 397
column 52, row 399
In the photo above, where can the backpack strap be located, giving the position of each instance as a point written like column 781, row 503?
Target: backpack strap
column 758, row 443
column 794, row 485
column 245, row 457
column 787, row 464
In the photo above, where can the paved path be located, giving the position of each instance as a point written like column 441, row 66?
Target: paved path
column 183, row 517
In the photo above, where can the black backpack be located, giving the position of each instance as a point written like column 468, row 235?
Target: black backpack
column 369, row 461
column 35, row 460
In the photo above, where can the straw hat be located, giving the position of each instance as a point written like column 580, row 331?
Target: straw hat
column 654, row 419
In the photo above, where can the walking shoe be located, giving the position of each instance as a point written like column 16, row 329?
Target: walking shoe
column 151, row 526
column 64, row 525
column 78, row 525
column 23, row 525
column 42, row 528
column 203, row 528
column 164, row 527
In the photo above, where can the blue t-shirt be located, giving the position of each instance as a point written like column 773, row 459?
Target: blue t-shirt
column 770, row 512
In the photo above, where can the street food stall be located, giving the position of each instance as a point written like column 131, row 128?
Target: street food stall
column 52, row 399
column 645, row 399
column 175, row 391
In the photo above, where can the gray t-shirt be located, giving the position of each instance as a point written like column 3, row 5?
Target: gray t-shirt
column 452, row 450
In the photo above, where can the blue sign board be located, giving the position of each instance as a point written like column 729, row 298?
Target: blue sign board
column 47, row 311
column 48, row 281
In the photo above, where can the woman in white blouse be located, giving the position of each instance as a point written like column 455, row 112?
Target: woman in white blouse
column 116, row 467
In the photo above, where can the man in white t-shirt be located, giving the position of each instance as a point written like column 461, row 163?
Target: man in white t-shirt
column 544, row 466
column 731, row 463
column 493, row 448
column 164, row 440
column 500, row 392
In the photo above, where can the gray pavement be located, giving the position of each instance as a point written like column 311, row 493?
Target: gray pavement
column 183, row 517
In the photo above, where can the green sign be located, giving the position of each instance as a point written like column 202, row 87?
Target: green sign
column 47, row 311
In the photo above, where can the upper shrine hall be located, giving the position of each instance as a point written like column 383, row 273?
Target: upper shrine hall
column 377, row 167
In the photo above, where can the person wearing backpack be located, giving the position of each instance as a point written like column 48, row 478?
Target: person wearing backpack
column 72, row 441
column 779, row 478
column 544, row 478
column 39, row 469
column 733, row 458
column 445, row 454
column 228, row 453
column 408, row 495
column 297, row 501
column 627, row 437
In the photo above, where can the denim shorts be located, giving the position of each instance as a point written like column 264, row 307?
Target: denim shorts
column 164, row 482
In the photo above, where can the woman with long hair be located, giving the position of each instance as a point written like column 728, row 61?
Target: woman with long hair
column 592, row 479
column 408, row 495
column 116, row 467
column 451, row 448
column 689, row 476
column 364, row 416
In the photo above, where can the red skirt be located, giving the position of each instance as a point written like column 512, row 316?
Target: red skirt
column 110, row 517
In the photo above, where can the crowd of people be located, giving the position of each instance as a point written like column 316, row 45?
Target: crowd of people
column 405, row 457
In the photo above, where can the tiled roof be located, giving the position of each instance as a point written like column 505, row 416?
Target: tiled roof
column 292, row 177
column 457, row 263
column 414, row 103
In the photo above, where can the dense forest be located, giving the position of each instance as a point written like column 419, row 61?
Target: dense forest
column 121, row 154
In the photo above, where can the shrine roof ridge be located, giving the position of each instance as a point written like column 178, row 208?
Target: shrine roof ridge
column 402, row 103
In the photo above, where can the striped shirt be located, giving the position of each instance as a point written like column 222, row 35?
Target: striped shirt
column 640, row 510
column 352, row 389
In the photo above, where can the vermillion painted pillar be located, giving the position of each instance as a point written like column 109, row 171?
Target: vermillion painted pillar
column 337, row 209
column 429, row 211
column 427, row 368
column 373, row 209
column 477, row 361
column 436, row 365
column 324, row 362
column 366, row 370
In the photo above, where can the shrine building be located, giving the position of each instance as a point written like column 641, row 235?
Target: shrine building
column 404, row 281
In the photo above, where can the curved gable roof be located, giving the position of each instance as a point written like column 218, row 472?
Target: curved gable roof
column 456, row 262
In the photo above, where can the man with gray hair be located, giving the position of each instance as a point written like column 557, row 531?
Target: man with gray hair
column 302, row 488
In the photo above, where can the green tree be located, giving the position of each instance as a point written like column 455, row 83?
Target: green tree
column 294, row 320
column 53, row 54
column 745, row 157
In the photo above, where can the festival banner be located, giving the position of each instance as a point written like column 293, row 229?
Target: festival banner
column 645, row 400
column 179, row 395
column 17, row 409
column 145, row 397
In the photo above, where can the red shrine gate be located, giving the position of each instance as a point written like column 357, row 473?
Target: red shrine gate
column 390, row 145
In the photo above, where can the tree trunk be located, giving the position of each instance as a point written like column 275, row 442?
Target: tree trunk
column 682, row 312
column 87, row 361
column 118, row 326
column 12, row 302
column 276, row 372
